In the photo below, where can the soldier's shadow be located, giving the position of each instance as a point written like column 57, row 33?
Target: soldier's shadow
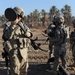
column 3, row 69
column 38, row 69
column 34, row 69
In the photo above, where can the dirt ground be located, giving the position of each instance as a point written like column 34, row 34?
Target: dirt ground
column 37, row 58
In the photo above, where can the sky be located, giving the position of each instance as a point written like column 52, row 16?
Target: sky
column 30, row 5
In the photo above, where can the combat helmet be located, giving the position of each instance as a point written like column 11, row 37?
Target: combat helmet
column 58, row 20
column 19, row 11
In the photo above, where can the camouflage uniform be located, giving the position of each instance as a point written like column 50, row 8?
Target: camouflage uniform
column 60, row 51
column 59, row 45
column 72, row 41
column 16, row 44
column 48, row 30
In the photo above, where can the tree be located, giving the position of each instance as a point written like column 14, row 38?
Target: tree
column 52, row 13
column 66, row 11
column 43, row 16
column 57, row 13
column 35, row 16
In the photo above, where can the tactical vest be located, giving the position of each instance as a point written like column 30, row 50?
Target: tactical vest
column 62, row 35
column 16, row 40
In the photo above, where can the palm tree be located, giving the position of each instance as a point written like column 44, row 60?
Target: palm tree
column 57, row 13
column 35, row 16
column 43, row 15
column 52, row 13
column 66, row 11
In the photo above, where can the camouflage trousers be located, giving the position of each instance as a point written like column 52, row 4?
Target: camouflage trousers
column 50, row 48
column 18, row 65
column 73, row 52
column 59, row 52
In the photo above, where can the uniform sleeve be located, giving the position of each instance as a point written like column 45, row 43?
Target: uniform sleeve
column 28, row 32
column 57, row 36
column 48, row 30
column 7, row 31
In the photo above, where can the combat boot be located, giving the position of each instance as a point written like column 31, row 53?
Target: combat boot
column 52, row 72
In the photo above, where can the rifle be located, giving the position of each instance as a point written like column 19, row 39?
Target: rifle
column 33, row 43
column 62, row 71
column 13, row 18
column 5, row 55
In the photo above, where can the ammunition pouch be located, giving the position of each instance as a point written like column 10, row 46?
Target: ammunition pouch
column 23, row 42
column 10, row 44
column 7, row 46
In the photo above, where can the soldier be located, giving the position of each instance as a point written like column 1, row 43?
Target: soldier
column 59, row 42
column 50, row 28
column 16, row 42
column 72, row 41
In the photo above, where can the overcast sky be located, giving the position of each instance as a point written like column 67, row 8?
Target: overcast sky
column 31, row 5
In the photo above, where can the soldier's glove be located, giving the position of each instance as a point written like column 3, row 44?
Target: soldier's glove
column 28, row 34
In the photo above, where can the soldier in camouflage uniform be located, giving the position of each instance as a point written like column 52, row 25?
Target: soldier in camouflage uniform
column 16, row 43
column 72, row 41
column 50, row 28
column 59, row 42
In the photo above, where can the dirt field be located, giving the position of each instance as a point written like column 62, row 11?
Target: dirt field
column 38, row 58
